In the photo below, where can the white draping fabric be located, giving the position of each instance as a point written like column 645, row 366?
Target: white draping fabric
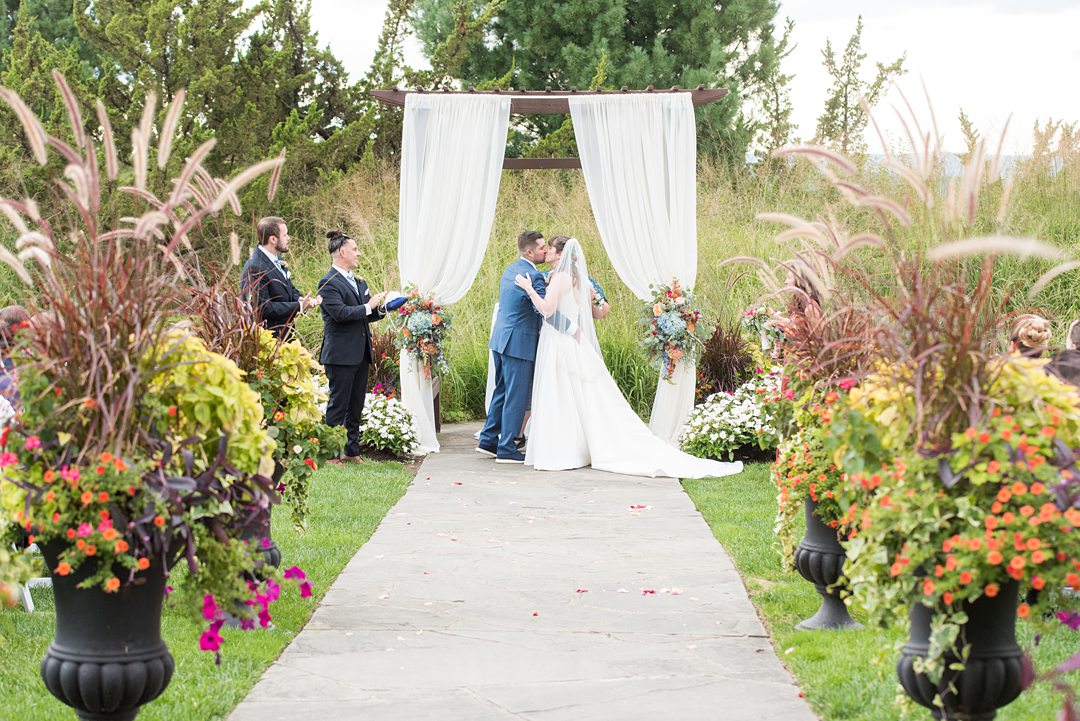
column 451, row 163
column 639, row 157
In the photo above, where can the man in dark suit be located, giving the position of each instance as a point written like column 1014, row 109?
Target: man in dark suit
column 267, row 283
column 513, row 345
column 347, row 308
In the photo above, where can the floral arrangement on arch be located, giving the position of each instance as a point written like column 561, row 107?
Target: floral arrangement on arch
column 424, row 327
column 728, row 421
column 671, row 320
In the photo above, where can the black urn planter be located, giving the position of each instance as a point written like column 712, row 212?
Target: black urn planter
column 991, row 677
column 820, row 560
column 107, row 659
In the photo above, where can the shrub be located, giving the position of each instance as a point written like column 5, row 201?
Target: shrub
column 388, row 426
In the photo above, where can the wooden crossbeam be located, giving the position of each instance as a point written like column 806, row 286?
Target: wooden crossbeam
column 548, row 101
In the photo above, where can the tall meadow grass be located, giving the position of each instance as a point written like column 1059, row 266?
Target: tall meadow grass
column 1045, row 203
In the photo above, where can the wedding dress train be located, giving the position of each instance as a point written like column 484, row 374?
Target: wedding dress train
column 579, row 416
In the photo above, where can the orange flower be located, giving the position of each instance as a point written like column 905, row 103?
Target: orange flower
column 103, row 497
column 172, row 411
column 279, row 417
column 991, row 590
column 994, row 558
column 927, row 587
column 112, row 584
column 993, row 467
column 1023, row 610
column 63, row 569
column 1048, row 431
column 947, row 596
column 1072, row 580
column 1033, row 544
column 984, row 437
column 109, row 534
column 144, row 563
column 90, row 550
column 1004, row 495
column 1019, row 488
column 87, row 498
column 965, row 577
column 1037, row 488
column 159, row 521
column 121, row 546
column 1017, row 562
column 895, row 570
column 1038, row 557
column 1038, row 583
column 950, row 563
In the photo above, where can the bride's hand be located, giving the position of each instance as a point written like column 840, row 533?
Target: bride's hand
column 523, row 282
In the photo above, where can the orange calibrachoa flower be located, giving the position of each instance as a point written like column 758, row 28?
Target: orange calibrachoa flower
column 112, row 584
column 990, row 590
column 63, row 568
column 143, row 563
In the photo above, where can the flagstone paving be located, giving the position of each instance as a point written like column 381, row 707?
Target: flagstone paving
column 498, row 592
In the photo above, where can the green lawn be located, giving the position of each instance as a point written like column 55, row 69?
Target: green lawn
column 346, row 504
column 847, row 675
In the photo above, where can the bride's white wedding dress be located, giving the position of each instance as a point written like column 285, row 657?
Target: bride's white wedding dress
column 579, row 415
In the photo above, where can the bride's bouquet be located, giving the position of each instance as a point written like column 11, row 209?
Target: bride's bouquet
column 671, row 319
column 424, row 325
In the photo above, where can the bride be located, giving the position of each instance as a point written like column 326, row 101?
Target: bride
column 579, row 416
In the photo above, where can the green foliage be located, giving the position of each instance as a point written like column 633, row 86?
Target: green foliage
column 842, row 122
column 291, row 385
column 560, row 44
column 210, row 396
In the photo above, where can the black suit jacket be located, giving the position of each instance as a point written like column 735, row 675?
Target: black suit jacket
column 346, row 336
column 274, row 297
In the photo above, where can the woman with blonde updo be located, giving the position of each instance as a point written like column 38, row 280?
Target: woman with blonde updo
column 1030, row 335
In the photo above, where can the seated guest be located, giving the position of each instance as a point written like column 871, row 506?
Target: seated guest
column 1065, row 364
column 1029, row 336
column 13, row 318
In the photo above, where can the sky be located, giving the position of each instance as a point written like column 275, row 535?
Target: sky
column 992, row 58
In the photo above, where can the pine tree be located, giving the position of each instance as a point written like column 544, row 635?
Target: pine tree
column 559, row 44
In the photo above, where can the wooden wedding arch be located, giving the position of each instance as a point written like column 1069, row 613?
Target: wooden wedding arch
column 547, row 102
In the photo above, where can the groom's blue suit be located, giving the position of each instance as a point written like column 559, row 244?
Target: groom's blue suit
column 513, row 344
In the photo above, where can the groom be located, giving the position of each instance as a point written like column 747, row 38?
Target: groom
column 513, row 345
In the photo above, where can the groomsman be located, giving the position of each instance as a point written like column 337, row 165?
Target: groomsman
column 267, row 282
column 347, row 308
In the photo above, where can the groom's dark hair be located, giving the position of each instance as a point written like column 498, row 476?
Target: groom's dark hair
column 528, row 239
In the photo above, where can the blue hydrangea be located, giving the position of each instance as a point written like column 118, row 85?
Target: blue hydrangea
column 419, row 323
column 671, row 323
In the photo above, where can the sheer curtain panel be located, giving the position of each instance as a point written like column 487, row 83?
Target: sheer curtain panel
column 451, row 162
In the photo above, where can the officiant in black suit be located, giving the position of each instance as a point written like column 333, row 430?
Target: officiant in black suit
column 267, row 282
column 347, row 309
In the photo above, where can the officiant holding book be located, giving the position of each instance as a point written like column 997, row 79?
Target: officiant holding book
column 347, row 310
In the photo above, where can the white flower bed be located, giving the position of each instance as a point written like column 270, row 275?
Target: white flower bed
column 728, row 421
column 388, row 426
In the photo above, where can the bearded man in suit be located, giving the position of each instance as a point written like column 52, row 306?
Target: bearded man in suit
column 267, row 282
column 347, row 309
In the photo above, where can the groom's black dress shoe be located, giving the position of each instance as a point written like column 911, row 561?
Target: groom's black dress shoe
column 516, row 457
column 486, row 451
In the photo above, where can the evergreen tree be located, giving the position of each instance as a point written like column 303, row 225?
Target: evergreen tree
column 559, row 44
column 843, row 121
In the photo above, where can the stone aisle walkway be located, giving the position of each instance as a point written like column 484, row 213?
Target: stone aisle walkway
column 498, row 592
